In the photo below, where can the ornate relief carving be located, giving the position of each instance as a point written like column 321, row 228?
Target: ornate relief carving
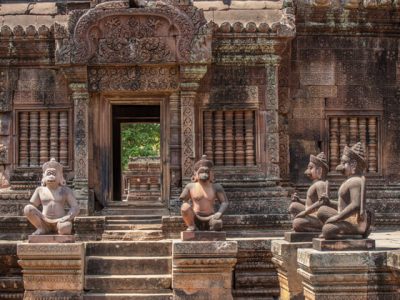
column 133, row 78
column 5, row 99
column 81, row 100
column 157, row 33
column 187, row 109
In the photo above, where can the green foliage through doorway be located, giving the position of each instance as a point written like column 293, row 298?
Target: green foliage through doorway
column 139, row 139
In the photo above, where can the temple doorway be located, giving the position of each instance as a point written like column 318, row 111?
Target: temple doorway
column 136, row 147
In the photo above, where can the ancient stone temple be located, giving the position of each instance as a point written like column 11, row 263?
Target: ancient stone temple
column 257, row 86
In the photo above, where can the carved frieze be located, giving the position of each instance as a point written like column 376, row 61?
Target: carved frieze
column 133, row 78
column 5, row 99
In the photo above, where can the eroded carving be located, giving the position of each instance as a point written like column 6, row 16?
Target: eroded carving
column 158, row 32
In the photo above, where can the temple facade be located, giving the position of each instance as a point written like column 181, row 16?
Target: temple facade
column 257, row 86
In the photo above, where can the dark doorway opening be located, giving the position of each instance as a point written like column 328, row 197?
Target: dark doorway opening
column 128, row 118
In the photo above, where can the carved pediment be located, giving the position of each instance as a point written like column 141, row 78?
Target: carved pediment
column 157, row 33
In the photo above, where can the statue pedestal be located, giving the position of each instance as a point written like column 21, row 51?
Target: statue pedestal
column 55, row 238
column 343, row 245
column 52, row 270
column 285, row 259
column 339, row 275
column 300, row 237
column 203, row 235
column 203, row 270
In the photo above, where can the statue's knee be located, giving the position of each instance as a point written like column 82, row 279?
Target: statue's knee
column 29, row 210
column 298, row 224
column 329, row 230
column 292, row 209
column 185, row 208
column 64, row 228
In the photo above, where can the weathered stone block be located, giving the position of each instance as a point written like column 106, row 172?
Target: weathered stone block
column 350, row 274
column 52, row 267
column 203, row 269
column 285, row 260
column 203, row 235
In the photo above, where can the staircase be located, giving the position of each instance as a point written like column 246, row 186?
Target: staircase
column 128, row 270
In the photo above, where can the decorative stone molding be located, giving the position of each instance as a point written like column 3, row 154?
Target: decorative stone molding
column 350, row 4
column 190, row 77
column 133, row 79
column 159, row 32
column 52, row 267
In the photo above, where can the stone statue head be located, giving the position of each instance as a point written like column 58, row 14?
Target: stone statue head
column 317, row 167
column 353, row 160
column 203, row 170
column 53, row 173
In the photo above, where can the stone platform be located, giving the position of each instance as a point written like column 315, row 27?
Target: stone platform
column 51, row 238
column 343, row 245
column 203, row 235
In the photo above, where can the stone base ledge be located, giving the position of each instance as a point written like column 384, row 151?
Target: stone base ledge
column 352, row 274
column 51, row 238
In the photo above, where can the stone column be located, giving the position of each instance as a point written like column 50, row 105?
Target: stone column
column 52, row 271
column 285, row 260
column 190, row 77
column 203, row 270
column 272, row 118
column 80, row 97
column 339, row 275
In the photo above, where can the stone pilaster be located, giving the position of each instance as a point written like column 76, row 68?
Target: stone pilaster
column 285, row 260
column 272, row 118
column 52, row 271
column 393, row 262
column 338, row 275
column 203, row 270
column 80, row 97
column 190, row 77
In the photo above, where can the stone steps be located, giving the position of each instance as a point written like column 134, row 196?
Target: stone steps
column 108, row 265
column 128, row 296
column 105, row 283
column 133, row 227
column 132, row 235
column 128, row 270
column 131, row 249
column 132, row 211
